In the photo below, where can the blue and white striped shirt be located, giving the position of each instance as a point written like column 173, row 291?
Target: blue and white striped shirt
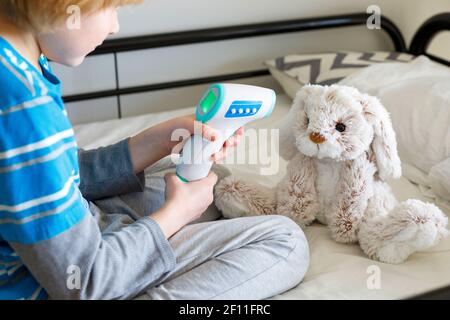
column 39, row 173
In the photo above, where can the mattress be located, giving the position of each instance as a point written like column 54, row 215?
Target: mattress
column 337, row 271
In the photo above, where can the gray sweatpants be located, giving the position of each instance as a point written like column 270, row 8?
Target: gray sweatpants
column 244, row 258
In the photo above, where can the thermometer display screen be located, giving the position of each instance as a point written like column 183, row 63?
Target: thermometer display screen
column 208, row 102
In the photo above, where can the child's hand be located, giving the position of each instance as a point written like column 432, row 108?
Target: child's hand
column 232, row 142
column 155, row 143
column 185, row 202
column 209, row 133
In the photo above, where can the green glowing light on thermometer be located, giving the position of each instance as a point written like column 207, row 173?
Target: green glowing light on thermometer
column 208, row 102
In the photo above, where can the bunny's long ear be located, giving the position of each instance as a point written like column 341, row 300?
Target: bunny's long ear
column 384, row 144
column 287, row 136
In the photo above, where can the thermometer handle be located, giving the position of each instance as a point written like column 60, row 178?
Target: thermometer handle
column 195, row 161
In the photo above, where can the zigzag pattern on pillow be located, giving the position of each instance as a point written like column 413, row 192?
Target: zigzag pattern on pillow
column 330, row 68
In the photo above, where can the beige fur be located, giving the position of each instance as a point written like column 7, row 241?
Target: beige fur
column 339, row 178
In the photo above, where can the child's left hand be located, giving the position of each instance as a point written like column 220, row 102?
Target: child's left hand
column 209, row 133
column 155, row 143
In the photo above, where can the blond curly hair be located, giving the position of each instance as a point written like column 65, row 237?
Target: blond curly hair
column 39, row 16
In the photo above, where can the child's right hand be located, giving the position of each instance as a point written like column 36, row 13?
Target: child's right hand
column 185, row 202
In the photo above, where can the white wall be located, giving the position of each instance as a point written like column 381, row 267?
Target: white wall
column 172, row 15
column 174, row 63
column 192, row 14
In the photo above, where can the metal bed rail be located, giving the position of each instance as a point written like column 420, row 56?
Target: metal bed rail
column 116, row 46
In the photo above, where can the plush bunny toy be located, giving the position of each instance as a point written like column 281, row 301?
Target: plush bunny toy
column 341, row 149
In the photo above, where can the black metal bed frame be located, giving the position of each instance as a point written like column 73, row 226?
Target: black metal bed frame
column 419, row 45
column 427, row 32
column 219, row 34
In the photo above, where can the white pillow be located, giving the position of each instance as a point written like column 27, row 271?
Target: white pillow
column 417, row 95
column 439, row 179
column 295, row 70
column 289, row 84
column 420, row 112
column 371, row 79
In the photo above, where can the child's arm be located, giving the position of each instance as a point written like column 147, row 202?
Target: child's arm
column 113, row 266
column 118, row 168
column 108, row 171
column 44, row 218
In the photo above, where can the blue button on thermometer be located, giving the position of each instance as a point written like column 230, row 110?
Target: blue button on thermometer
column 241, row 108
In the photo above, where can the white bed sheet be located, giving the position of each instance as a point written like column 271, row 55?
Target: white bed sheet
column 337, row 271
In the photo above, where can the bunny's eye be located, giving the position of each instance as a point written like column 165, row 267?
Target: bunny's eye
column 340, row 127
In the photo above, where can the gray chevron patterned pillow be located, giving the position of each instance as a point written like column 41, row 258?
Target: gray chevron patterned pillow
column 294, row 71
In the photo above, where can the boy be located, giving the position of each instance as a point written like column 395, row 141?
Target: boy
column 78, row 224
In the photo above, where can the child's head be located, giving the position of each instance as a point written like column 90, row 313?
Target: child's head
column 66, row 30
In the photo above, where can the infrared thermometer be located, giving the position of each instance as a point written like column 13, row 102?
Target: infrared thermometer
column 226, row 108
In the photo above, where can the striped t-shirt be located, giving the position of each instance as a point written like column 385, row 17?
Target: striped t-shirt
column 39, row 174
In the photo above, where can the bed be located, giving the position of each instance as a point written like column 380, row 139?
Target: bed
column 337, row 271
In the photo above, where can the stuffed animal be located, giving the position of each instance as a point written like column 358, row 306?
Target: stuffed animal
column 341, row 149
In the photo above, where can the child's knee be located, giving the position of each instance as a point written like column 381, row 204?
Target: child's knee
column 300, row 256
column 284, row 230
column 279, row 222
column 298, row 259
column 290, row 233
column 289, row 240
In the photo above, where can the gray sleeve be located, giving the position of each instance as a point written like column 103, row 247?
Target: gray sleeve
column 117, row 265
column 108, row 171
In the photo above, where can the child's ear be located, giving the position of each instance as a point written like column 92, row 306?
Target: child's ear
column 384, row 144
column 288, row 148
